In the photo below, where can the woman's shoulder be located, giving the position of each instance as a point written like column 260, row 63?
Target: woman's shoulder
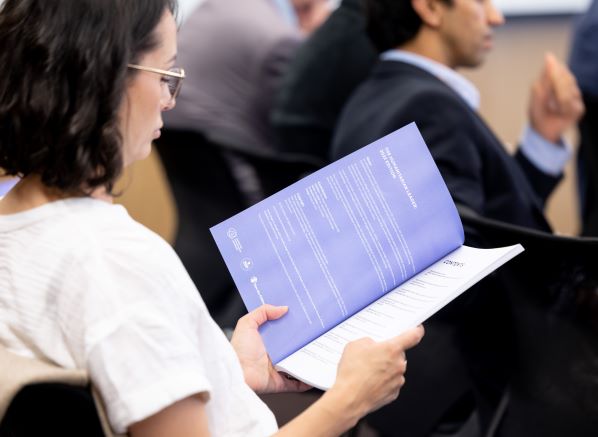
column 122, row 273
column 126, row 245
column 103, row 226
column 104, row 247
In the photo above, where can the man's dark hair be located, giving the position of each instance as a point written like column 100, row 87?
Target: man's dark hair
column 392, row 23
column 64, row 78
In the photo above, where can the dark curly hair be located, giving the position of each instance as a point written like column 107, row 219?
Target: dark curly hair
column 391, row 23
column 64, row 78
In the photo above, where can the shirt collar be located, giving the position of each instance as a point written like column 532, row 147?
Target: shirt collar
column 454, row 80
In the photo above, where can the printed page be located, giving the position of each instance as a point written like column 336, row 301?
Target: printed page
column 335, row 241
column 404, row 307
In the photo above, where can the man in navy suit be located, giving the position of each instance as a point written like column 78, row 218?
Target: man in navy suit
column 422, row 43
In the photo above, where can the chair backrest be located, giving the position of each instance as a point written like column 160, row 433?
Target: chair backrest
column 553, row 292
column 39, row 398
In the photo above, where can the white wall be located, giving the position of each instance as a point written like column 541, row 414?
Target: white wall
column 509, row 7
column 524, row 7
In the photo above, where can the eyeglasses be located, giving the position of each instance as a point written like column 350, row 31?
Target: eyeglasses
column 173, row 77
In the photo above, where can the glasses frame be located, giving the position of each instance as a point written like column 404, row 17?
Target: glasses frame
column 180, row 75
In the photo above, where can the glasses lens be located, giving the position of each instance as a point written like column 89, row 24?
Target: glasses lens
column 174, row 83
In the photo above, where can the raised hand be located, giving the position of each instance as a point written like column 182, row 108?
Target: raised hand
column 556, row 103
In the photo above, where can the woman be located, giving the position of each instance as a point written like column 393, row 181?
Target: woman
column 84, row 286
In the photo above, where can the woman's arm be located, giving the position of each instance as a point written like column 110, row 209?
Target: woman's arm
column 186, row 418
column 370, row 375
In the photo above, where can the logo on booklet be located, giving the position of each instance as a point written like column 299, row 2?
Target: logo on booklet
column 246, row 264
column 234, row 237
column 253, row 280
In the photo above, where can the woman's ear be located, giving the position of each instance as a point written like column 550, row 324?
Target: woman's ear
column 430, row 11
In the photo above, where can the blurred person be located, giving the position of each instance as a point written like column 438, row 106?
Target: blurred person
column 423, row 42
column 236, row 53
column 311, row 13
column 83, row 285
column 583, row 61
column 324, row 72
column 218, row 146
column 231, row 74
column 417, row 74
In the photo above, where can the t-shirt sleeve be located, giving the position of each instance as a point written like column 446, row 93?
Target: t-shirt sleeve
column 142, row 365
column 142, row 340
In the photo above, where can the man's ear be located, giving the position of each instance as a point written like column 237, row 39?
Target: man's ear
column 429, row 11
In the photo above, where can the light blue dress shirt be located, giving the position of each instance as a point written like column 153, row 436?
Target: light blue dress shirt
column 548, row 157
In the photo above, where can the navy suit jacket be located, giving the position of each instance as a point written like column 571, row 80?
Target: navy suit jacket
column 478, row 171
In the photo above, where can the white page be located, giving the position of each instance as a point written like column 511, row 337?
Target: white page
column 400, row 309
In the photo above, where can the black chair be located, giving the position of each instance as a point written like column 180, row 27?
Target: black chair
column 48, row 409
column 553, row 293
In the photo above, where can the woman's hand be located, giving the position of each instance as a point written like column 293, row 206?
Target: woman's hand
column 371, row 374
column 259, row 372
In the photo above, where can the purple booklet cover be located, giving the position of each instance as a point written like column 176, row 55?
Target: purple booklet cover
column 334, row 242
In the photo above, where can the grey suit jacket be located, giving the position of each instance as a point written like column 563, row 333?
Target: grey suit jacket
column 234, row 53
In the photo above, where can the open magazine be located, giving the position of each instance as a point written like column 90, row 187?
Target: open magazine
column 370, row 245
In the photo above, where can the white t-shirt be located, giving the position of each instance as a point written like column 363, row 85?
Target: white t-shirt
column 85, row 286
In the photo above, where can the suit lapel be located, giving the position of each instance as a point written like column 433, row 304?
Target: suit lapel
column 401, row 71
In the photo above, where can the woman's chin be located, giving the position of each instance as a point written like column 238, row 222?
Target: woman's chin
column 139, row 154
